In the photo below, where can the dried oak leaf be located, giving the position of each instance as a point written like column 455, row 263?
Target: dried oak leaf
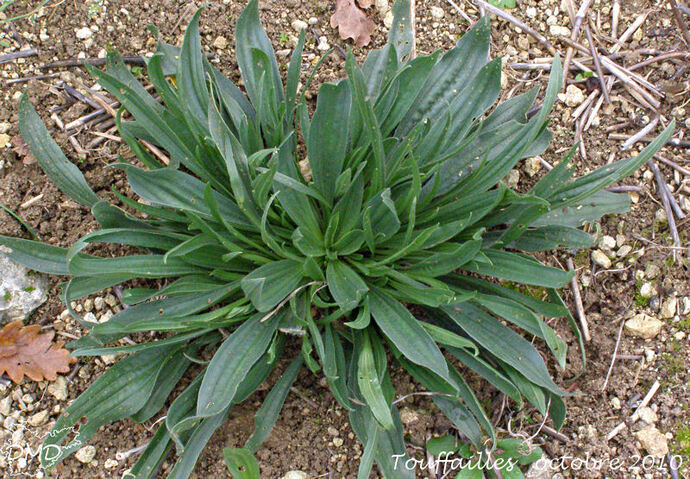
column 23, row 351
column 352, row 22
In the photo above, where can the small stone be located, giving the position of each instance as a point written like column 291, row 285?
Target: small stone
column 607, row 242
column 99, row 303
column 323, row 44
column 58, row 388
column 685, row 308
column 4, row 139
column 540, row 470
column 532, row 166
column 437, row 13
column 572, row 97
column 615, row 403
column 9, row 423
column 654, row 442
column 531, row 12
column 408, row 416
column 660, row 216
column 21, row 292
column 648, row 415
column 4, row 127
column 313, row 21
column 299, row 25
column 5, row 405
column 105, row 317
column 649, row 355
column 110, row 300
column 333, row 431
column 647, row 290
column 338, row 441
column 669, row 307
column 84, row 33
column 88, row 305
column 513, row 178
column 523, row 42
column 624, row 251
column 86, row 454
column 90, row 317
column 296, row 475
column 679, row 336
column 388, row 19
column 557, row 30
column 221, row 43
column 600, row 258
column 643, row 326
column 39, row 419
column 110, row 463
column 652, row 271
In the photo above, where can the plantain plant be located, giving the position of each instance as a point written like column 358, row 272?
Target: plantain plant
column 399, row 243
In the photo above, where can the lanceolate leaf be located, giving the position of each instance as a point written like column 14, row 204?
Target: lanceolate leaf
column 118, row 393
column 328, row 136
column 267, row 415
column 232, row 362
column 64, row 174
column 511, row 347
column 35, row 255
column 398, row 324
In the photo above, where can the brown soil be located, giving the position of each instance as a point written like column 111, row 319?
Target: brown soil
column 301, row 439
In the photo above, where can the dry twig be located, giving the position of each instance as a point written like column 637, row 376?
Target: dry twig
column 507, row 16
column 578, row 302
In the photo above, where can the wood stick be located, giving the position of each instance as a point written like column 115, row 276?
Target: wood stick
column 673, row 165
column 681, row 22
column 555, row 434
column 600, row 101
column 645, row 401
column 583, row 106
column 628, row 33
column 578, row 302
column 672, row 141
column 461, row 12
column 8, row 57
column 613, row 358
column 32, row 201
column 96, row 62
column 640, row 134
column 636, row 414
column 106, row 136
column 536, row 66
column 574, row 35
column 664, row 193
column 610, row 65
column 659, row 58
column 597, row 65
column 507, row 16
column 628, row 78
column 413, row 26
column 34, row 77
column 615, row 16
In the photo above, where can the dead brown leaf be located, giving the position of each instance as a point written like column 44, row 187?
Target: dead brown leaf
column 23, row 351
column 352, row 22
column 22, row 150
